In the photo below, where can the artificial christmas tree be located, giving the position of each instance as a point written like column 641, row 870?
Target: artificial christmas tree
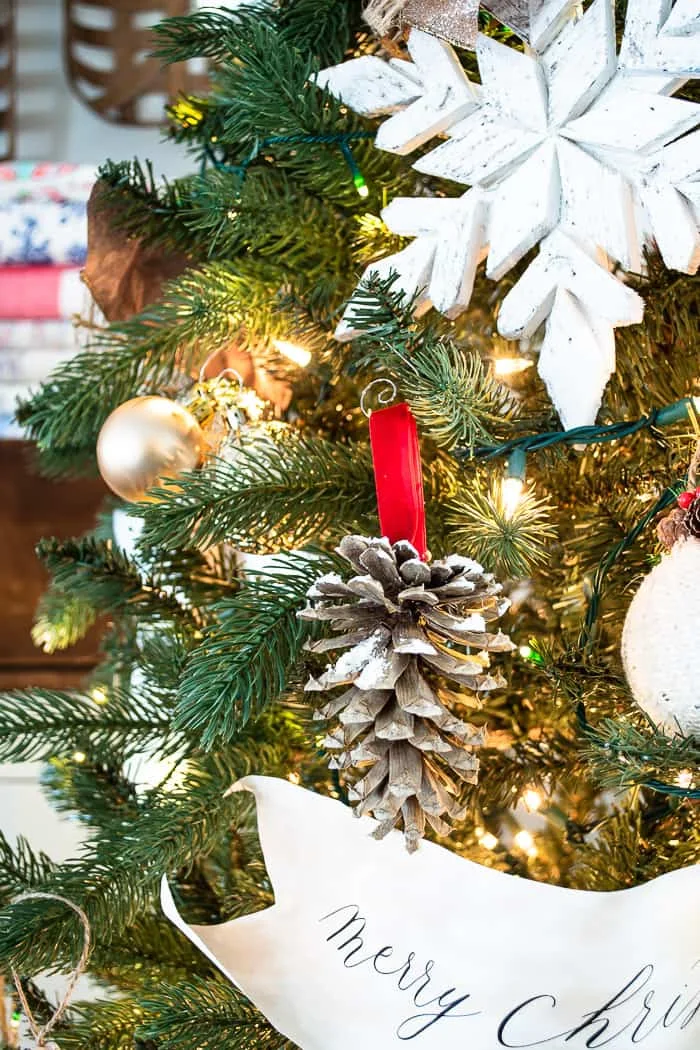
column 205, row 654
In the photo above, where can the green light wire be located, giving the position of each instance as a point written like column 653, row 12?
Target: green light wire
column 593, row 435
column 342, row 139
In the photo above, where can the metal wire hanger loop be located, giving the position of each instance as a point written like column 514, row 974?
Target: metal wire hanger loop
column 384, row 398
column 224, row 372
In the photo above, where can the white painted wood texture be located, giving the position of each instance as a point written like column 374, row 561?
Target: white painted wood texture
column 568, row 147
column 430, row 94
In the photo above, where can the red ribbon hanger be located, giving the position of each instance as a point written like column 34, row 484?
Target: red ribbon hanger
column 398, row 476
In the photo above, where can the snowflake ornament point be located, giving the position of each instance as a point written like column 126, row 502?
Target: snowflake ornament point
column 425, row 96
column 572, row 147
column 661, row 39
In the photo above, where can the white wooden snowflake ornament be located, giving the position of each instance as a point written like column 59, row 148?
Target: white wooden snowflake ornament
column 430, row 93
column 571, row 147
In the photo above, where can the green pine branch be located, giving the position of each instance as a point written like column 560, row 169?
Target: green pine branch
column 262, row 91
column 245, row 658
column 205, row 34
column 98, row 790
column 267, row 92
column 142, row 207
column 21, row 868
column 510, row 540
column 278, row 492
column 61, row 619
column 623, row 754
column 107, row 1024
column 43, row 723
column 208, row 1013
column 100, row 575
column 269, row 215
column 118, row 874
column 321, row 27
column 324, row 28
column 217, row 215
column 162, row 952
column 455, row 400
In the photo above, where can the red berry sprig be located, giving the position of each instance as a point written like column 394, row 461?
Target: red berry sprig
column 687, row 498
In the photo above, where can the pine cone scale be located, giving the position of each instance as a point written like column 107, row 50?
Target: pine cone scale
column 401, row 623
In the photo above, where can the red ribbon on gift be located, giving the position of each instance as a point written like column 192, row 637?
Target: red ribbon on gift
column 398, row 476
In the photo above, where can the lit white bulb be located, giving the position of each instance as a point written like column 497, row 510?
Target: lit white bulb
column 510, row 366
column 524, row 841
column 532, row 800
column 684, row 779
column 511, row 494
column 298, row 354
column 251, row 405
column 488, row 841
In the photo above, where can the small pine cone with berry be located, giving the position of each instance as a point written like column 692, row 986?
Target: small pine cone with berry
column 683, row 521
column 692, row 518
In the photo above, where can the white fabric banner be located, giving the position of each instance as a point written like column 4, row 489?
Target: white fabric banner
column 369, row 946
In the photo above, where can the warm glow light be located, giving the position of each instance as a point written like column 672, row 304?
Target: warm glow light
column 510, row 366
column 99, row 695
column 524, row 841
column 79, row 756
column 511, row 494
column 298, row 354
column 293, row 778
column 488, row 841
column 532, row 800
column 684, row 779
column 251, row 404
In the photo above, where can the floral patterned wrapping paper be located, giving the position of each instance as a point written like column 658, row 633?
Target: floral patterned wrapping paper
column 43, row 233
column 43, row 216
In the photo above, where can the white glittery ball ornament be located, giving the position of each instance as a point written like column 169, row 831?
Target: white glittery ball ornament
column 659, row 641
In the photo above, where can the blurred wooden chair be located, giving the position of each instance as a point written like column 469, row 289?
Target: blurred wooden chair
column 32, row 507
column 107, row 46
column 7, row 79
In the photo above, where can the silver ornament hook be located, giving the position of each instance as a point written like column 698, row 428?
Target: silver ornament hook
column 384, row 398
column 224, row 372
column 233, row 372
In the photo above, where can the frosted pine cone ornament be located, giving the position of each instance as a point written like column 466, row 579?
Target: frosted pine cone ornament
column 659, row 639
column 406, row 625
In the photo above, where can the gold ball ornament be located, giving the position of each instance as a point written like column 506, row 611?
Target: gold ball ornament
column 147, row 439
